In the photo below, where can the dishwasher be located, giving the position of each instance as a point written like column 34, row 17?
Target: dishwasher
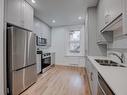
column 103, row 88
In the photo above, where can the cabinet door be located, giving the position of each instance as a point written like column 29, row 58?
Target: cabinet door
column 126, row 5
column 2, row 42
column 113, row 8
column 38, row 61
column 28, row 16
column 49, row 38
column 89, row 73
column 14, row 12
column 94, row 80
column 107, row 11
column 100, row 15
column 124, row 17
column 47, row 34
column 52, row 58
column 92, row 76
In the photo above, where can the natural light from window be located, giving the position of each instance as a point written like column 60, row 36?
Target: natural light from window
column 74, row 41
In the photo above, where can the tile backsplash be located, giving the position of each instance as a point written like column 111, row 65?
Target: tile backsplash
column 109, row 54
column 119, row 44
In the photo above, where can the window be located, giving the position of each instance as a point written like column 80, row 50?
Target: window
column 74, row 41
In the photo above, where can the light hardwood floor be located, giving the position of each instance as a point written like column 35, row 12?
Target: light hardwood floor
column 60, row 81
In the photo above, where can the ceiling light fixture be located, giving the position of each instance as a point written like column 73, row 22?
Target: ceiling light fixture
column 33, row 1
column 79, row 17
column 53, row 21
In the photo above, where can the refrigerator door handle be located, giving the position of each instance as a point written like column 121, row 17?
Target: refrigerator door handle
column 31, row 48
column 25, row 67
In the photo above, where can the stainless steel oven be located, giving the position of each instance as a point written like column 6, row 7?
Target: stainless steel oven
column 46, row 60
column 103, row 88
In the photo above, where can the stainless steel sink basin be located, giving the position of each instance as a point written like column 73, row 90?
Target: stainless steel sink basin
column 108, row 63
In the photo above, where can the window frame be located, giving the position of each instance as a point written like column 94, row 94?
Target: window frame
column 68, row 53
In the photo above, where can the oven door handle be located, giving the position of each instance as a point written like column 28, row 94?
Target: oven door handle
column 46, row 57
column 101, row 88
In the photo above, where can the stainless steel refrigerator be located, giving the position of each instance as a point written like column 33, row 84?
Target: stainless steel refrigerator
column 21, row 60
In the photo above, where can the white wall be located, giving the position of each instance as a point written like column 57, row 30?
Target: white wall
column 59, row 40
column 1, row 48
column 43, row 30
column 93, row 48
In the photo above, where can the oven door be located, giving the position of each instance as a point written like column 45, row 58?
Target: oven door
column 46, row 62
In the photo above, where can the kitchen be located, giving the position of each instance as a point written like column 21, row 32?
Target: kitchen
column 59, row 47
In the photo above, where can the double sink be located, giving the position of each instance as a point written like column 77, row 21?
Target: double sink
column 108, row 63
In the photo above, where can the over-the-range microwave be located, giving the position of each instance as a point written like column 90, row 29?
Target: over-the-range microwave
column 41, row 41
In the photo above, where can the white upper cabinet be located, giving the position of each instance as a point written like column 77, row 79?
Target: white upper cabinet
column 47, row 35
column 28, row 16
column 124, row 16
column 19, row 13
column 125, row 7
column 42, row 30
column 2, row 50
column 108, row 10
column 14, row 8
column 100, row 15
column 113, row 8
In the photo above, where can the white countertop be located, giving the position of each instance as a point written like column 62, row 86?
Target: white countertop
column 116, row 77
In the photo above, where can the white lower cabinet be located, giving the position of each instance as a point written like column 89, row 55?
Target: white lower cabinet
column 92, row 77
column 53, row 58
column 38, row 61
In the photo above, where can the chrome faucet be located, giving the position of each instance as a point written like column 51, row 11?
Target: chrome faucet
column 121, row 58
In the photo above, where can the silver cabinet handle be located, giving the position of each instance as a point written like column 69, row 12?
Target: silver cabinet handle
column 91, row 76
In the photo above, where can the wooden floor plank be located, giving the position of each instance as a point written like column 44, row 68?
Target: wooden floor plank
column 60, row 81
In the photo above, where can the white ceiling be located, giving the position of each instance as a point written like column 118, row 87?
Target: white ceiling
column 65, row 12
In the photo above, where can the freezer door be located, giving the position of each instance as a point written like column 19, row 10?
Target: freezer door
column 23, row 78
column 18, row 85
column 31, row 48
column 30, row 76
column 16, row 44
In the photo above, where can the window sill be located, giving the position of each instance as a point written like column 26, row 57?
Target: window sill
column 74, row 55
